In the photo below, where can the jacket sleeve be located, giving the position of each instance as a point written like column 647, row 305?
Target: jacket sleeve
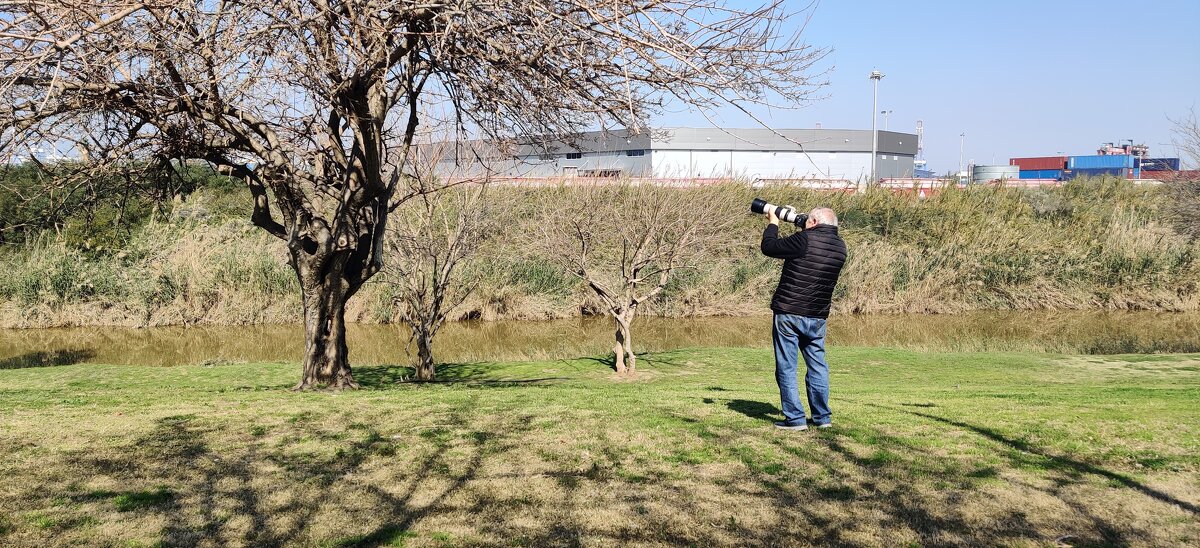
column 792, row 247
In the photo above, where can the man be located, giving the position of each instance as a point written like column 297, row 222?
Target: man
column 813, row 258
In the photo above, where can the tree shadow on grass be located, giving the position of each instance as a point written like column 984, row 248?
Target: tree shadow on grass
column 609, row 362
column 386, row 377
column 645, row 359
column 286, row 485
column 220, row 497
column 47, row 359
column 755, row 409
column 1058, row 462
column 866, row 465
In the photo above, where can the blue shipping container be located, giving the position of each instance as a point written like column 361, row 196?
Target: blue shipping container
column 1121, row 172
column 1160, row 164
column 1042, row 174
column 1100, row 162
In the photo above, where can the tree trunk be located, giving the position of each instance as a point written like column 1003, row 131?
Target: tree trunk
column 424, row 367
column 331, row 266
column 326, row 289
column 624, row 359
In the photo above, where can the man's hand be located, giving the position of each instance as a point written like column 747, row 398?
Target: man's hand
column 772, row 218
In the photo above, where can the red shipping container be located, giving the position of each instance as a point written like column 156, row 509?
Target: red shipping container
column 1171, row 176
column 1039, row 163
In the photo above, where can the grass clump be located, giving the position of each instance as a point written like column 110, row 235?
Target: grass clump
column 141, row 500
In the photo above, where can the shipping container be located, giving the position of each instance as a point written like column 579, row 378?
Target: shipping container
column 1041, row 162
column 1172, row 176
column 1100, row 162
column 1122, row 172
column 1042, row 173
column 1160, row 164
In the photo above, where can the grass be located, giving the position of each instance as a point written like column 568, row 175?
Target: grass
column 928, row 448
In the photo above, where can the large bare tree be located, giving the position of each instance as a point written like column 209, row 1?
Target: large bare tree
column 626, row 242
column 315, row 104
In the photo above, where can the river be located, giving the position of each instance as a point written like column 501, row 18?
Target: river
column 1066, row 332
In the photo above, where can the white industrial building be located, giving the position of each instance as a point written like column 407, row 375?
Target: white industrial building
column 751, row 154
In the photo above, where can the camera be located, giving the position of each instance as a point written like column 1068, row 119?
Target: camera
column 785, row 213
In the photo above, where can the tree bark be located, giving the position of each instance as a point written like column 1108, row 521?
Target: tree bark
column 624, row 360
column 326, row 356
column 424, row 369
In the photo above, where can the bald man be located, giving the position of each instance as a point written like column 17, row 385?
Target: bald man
column 812, row 260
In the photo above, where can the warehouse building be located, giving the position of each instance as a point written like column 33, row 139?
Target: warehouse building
column 752, row 154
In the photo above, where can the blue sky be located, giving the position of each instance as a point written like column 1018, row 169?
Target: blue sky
column 1021, row 78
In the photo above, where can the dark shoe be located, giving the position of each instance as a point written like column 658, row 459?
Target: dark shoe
column 785, row 425
column 825, row 425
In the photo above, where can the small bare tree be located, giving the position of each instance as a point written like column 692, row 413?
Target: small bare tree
column 1183, row 190
column 1187, row 136
column 626, row 241
column 428, row 242
column 315, row 103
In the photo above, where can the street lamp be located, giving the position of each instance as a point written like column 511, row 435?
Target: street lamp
column 876, row 76
column 885, row 114
column 962, row 139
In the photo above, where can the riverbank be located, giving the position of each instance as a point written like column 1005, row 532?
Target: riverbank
column 1100, row 244
column 928, row 448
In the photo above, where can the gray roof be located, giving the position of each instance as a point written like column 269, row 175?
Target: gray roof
column 808, row 140
column 762, row 139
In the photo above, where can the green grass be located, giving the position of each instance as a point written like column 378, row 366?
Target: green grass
column 927, row 449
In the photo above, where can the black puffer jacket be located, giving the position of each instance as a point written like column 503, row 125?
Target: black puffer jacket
column 813, row 260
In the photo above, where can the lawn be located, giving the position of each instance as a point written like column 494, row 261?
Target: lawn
column 927, row 449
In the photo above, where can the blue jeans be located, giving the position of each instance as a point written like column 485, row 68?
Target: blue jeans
column 794, row 333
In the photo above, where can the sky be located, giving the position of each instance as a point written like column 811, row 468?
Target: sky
column 1019, row 78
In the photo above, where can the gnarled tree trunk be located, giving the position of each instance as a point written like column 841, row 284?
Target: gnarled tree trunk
column 624, row 360
column 424, row 368
column 331, row 268
column 325, row 289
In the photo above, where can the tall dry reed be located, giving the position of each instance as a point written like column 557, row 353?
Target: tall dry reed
column 1099, row 243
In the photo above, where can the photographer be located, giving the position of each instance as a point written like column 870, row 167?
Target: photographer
column 813, row 258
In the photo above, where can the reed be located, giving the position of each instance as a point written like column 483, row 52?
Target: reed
column 1090, row 244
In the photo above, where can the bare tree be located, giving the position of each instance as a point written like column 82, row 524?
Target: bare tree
column 1187, row 136
column 1183, row 189
column 626, row 241
column 428, row 243
column 315, row 103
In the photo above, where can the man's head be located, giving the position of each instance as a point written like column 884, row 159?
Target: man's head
column 821, row 216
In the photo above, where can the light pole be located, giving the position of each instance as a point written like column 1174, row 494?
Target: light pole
column 885, row 114
column 962, row 139
column 876, row 76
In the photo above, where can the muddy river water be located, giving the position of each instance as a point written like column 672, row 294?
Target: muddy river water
column 1067, row 332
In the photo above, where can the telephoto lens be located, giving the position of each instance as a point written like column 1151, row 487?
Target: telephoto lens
column 785, row 213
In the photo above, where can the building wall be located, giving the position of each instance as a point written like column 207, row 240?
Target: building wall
column 700, row 152
column 537, row 166
column 852, row 166
column 761, row 164
column 781, row 154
